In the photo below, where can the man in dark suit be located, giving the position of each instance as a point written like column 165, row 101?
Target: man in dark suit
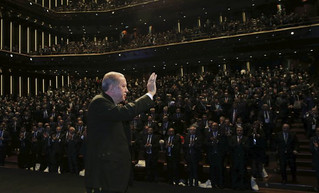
column 72, row 142
column 238, row 146
column 267, row 118
column 164, row 126
column 108, row 161
column 4, row 139
column 152, row 123
column 173, row 150
column 36, row 140
column 151, row 149
column 24, row 149
column 216, row 143
column 192, row 152
column 314, row 148
column 287, row 146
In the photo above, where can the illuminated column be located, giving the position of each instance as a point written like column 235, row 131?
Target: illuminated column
column 244, row 17
column 20, row 36
column 248, row 66
column 28, row 85
column 49, row 4
column 28, row 40
column 36, row 1
column 35, row 40
column 42, row 3
column 67, row 41
column 1, row 89
column 198, row 22
column 179, row 26
column 62, row 2
column 225, row 67
column 62, row 81
column 68, row 80
column 55, row 3
column 36, row 86
column 50, row 40
column 62, row 39
column 50, row 83
column 182, row 71
column 1, row 34
column 42, row 40
column 43, row 85
column 11, row 85
column 203, row 69
column 20, row 86
column 56, row 40
column 67, row 2
column 220, row 19
column 56, row 82
column 11, row 35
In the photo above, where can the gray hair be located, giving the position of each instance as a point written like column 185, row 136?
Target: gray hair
column 110, row 78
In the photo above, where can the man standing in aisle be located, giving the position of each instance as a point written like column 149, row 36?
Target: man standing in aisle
column 108, row 161
column 287, row 146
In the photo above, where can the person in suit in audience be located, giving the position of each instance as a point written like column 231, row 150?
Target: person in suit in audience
column 257, row 149
column 151, row 149
column 4, row 140
column 36, row 140
column 152, row 123
column 173, row 153
column 193, row 154
column 24, row 149
column 72, row 150
column 14, row 131
column 137, row 123
column 287, row 149
column 238, row 146
column 216, row 143
column 314, row 148
column 164, row 126
column 267, row 117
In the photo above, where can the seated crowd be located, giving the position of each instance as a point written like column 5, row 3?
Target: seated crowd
column 99, row 5
column 207, row 30
column 216, row 119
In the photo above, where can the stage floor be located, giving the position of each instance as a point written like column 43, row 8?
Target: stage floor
column 23, row 181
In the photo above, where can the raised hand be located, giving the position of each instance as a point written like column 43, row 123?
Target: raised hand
column 151, row 84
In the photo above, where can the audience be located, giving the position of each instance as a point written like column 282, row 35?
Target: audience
column 209, row 118
column 99, row 5
column 208, row 30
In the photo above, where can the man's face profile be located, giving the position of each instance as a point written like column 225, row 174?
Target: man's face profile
column 120, row 90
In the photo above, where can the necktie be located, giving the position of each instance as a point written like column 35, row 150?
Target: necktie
column 149, row 138
column 286, row 137
column 1, row 135
column 234, row 115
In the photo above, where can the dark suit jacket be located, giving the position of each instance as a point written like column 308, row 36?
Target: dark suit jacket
column 193, row 153
column 155, row 145
column 216, row 145
column 286, row 148
column 108, row 161
column 175, row 148
column 315, row 152
column 238, row 151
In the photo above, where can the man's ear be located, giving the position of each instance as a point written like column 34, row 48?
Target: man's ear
column 111, row 88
